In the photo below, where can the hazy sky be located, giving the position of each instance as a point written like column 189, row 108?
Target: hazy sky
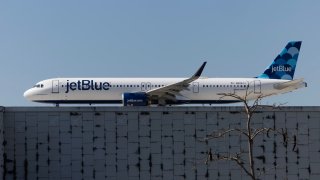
column 74, row 38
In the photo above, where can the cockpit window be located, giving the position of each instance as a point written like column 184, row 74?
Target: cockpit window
column 38, row 86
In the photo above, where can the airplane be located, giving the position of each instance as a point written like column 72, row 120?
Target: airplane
column 276, row 79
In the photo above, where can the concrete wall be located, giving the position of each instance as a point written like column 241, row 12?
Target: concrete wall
column 1, row 142
column 152, row 142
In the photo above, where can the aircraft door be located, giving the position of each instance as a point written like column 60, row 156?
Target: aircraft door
column 257, row 87
column 148, row 86
column 195, row 86
column 55, row 86
column 145, row 86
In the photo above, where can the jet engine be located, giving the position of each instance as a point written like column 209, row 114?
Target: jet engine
column 135, row 99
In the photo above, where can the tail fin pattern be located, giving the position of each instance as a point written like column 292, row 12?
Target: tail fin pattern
column 283, row 67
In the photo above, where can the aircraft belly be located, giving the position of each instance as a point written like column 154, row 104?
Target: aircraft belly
column 202, row 95
column 91, row 95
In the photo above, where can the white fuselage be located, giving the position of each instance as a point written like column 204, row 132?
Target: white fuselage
column 110, row 90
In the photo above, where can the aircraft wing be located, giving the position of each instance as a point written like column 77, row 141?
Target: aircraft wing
column 294, row 84
column 170, row 91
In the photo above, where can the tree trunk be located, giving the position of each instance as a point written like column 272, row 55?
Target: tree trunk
column 250, row 143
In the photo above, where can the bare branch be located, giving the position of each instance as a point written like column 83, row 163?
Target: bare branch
column 294, row 142
column 261, row 130
column 251, row 133
column 236, row 158
column 216, row 135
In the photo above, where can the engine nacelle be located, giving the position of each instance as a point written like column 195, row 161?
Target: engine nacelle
column 135, row 99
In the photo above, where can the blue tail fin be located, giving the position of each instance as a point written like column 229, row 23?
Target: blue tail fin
column 284, row 65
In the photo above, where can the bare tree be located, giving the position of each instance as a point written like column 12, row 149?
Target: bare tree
column 249, row 133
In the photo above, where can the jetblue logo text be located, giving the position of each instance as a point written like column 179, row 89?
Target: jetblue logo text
column 85, row 85
column 281, row 68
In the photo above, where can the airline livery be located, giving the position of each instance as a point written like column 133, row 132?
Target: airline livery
column 276, row 79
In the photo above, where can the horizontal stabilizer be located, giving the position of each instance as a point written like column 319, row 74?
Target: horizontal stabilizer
column 290, row 84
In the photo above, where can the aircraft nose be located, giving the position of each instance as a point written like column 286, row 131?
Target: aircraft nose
column 28, row 94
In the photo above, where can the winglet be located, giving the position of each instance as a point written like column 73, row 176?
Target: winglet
column 199, row 72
